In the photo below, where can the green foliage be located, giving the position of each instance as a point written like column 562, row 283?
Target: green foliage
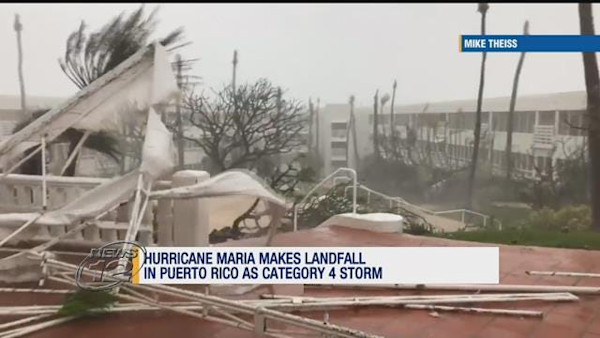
column 91, row 55
column 87, row 303
column 391, row 177
column 571, row 218
column 530, row 236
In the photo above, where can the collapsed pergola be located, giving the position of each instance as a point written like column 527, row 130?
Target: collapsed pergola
column 144, row 80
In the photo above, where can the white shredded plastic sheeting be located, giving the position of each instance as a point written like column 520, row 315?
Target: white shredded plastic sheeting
column 230, row 183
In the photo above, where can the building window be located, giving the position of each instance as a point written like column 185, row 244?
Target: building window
column 338, row 129
column 546, row 118
column 336, row 164
column 499, row 121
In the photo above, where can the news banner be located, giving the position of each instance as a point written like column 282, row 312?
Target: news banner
column 346, row 265
column 529, row 43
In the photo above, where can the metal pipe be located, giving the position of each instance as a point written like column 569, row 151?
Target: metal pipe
column 75, row 152
column 44, row 183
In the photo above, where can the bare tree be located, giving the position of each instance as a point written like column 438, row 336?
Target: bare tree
column 18, row 28
column 482, row 8
column 592, row 85
column 511, row 109
column 241, row 127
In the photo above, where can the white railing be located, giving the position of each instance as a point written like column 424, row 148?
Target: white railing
column 400, row 201
column 320, row 184
column 23, row 194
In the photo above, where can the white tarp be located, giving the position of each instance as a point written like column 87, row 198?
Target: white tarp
column 230, row 183
column 158, row 151
column 140, row 81
column 229, row 195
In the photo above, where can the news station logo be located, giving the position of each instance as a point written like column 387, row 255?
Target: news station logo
column 110, row 265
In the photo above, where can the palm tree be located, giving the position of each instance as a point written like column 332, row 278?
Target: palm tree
column 101, row 142
column 482, row 8
column 18, row 28
column 511, row 109
column 91, row 55
column 392, row 126
column 592, row 83
column 376, row 125
column 88, row 56
column 351, row 128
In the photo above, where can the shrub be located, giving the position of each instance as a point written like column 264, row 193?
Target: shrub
column 571, row 218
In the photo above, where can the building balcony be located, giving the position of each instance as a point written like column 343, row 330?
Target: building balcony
column 544, row 137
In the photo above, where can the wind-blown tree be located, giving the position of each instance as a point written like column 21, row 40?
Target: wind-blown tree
column 592, row 85
column 101, row 142
column 90, row 55
column 511, row 109
column 240, row 128
column 482, row 8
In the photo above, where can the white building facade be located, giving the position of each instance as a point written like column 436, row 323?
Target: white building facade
column 546, row 129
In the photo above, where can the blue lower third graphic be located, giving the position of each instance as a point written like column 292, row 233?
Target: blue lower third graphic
column 530, row 43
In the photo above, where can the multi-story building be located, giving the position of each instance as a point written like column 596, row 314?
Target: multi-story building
column 547, row 129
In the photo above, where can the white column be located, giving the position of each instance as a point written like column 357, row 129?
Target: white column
column 190, row 216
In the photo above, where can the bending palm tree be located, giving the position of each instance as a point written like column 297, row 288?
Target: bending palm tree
column 511, row 109
column 88, row 56
column 482, row 8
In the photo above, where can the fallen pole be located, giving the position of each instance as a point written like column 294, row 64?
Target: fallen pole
column 478, row 310
column 23, row 321
column 327, row 305
column 441, row 298
column 258, row 312
column 563, row 273
column 20, row 332
column 470, row 287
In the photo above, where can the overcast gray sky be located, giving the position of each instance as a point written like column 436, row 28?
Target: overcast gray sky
column 317, row 50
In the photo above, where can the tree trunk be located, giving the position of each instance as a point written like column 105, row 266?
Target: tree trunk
column 18, row 28
column 180, row 144
column 351, row 128
column 317, row 151
column 392, row 127
column 592, row 86
column 511, row 109
column 311, row 118
column 477, row 132
column 376, row 125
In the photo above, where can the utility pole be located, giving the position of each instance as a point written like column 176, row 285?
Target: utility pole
column 180, row 145
column 18, row 28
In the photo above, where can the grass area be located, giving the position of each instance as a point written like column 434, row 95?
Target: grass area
column 546, row 238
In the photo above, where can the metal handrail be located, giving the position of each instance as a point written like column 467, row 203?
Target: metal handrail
column 427, row 211
column 354, row 178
